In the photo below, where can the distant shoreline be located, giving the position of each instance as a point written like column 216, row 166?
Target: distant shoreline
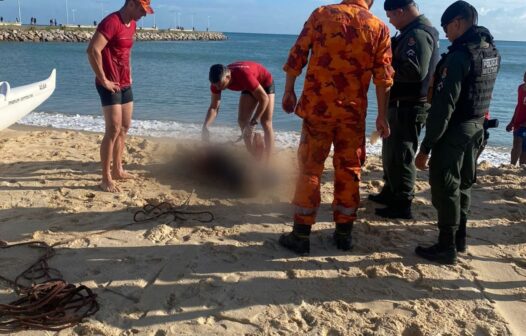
column 79, row 34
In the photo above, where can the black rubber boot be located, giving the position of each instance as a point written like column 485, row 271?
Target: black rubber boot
column 343, row 236
column 384, row 197
column 460, row 237
column 443, row 253
column 298, row 240
column 398, row 209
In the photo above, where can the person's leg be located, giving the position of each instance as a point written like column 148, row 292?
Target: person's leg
column 468, row 178
column 118, row 172
column 247, row 105
column 266, row 124
column 522, row 159
column 315, row 146
column 516, row 150
column 113, row 119
column 402, row 169
column 347, row 171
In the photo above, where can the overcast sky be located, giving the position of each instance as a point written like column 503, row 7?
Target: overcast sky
column 505, row 18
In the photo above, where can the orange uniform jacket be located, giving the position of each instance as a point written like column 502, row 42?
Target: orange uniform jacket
column 349, row 45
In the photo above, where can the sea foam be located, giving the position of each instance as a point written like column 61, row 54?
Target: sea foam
column 189, row 131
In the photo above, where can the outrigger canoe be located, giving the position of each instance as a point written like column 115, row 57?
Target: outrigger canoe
column 16, row 103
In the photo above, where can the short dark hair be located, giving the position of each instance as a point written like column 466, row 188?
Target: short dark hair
column 217, row 72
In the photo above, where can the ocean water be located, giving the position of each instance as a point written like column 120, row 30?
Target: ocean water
column 172, row 94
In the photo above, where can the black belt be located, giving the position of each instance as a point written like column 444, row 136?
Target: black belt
column 404, row 103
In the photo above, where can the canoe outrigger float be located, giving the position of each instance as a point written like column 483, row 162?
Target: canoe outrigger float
column 16, row 103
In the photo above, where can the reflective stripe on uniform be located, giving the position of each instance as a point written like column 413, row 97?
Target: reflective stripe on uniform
column 304, row 211
column 343, row 210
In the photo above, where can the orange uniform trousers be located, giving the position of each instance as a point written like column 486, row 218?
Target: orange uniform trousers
column 315, row 146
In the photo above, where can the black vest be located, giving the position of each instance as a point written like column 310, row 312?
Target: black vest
column 417, row 91
column 477, row 87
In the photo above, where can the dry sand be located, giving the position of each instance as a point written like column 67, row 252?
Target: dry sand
column 231, row 277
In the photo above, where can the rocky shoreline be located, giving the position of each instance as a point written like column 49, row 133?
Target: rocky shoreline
column 84, row 35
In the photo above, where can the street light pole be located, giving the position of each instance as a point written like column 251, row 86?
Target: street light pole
column 208, row 25
column 73, row 12
column 19, row 12
column 67, row 13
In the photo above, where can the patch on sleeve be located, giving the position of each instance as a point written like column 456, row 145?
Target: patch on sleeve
column 411, row 53
column 411, row 42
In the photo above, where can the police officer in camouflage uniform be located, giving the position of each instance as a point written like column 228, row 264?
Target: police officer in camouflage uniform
column 463, row 85
column 415, row 55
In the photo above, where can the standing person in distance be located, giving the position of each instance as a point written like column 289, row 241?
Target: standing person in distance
column 517, row 125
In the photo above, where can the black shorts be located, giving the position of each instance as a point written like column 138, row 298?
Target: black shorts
column 271, row 89
column 124, row 96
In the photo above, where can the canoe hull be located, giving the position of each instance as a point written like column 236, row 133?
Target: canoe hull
column 16, row 103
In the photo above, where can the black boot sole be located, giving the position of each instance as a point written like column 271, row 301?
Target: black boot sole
column 392, row 214
column 300, row 247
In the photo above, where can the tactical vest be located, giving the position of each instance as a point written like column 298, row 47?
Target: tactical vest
column 417, row 91
column 477, row 87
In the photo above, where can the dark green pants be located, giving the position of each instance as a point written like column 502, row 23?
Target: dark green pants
column 452, row 172
column 398, row 150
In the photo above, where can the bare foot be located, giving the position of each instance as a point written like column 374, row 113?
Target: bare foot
column 123, row 175
column 109, row 186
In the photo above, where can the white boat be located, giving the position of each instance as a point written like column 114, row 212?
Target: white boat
column 16, row 103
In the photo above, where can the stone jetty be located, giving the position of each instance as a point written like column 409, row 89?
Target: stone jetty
column 34, row 34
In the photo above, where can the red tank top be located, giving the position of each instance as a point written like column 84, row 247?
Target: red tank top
column 520, row 110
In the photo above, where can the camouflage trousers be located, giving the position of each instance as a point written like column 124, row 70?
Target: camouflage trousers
column 315, row 146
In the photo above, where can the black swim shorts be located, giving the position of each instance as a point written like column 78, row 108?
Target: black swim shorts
column 124, row 96
column 271, row 89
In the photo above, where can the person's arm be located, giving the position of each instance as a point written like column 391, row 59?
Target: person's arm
column 445, row 98
column 94, row 51
column 383, row 78
column 296, row 61
column 263, row 101
column 289, row 101
column 412, row 65
column 509, row 128
column 211, row 115
column 382, row 97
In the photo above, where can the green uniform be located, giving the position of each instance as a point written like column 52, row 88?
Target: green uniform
column 454, row 128
column 415, row 55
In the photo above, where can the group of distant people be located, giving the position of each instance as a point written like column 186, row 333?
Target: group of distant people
column 344, row 46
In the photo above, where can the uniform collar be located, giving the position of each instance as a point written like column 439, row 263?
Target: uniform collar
column 360, row 3
column 421, row 19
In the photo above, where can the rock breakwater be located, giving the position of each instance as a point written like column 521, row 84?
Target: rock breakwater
column 71, row 35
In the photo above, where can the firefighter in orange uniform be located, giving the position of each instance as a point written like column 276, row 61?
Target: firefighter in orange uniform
column 348, row 46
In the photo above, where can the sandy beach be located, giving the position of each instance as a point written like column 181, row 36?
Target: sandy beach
column 230, row 277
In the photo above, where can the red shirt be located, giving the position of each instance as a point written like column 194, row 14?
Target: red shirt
column 246, row 76
column 116, row 54
column 520, row 110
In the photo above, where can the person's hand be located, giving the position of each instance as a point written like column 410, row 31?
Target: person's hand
column 205, row 134
column 382, row 126
column 289, row 101
column 509, row 128
column 111, row 86
column 421, row 161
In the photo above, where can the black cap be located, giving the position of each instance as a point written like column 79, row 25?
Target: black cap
column 460, row 9
column 395, row 4
column 217, row 72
